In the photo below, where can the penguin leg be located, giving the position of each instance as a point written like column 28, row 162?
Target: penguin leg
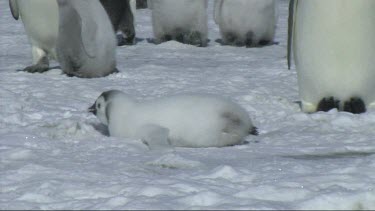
column 127, row 27
column 40, row 61
column 355, row 105
column 327, row 104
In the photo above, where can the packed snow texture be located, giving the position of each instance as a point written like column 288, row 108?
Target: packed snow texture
column 55, row 155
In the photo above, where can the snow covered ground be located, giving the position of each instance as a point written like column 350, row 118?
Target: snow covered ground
column 55, row 155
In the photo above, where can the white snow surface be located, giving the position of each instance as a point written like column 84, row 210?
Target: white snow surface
column 55, row 155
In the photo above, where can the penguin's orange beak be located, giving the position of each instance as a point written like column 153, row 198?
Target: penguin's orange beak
column 92, row 109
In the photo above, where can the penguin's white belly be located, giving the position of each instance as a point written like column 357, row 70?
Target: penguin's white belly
column 334, row 50
column 40, row 19
column 243, row 16
column 184, row 14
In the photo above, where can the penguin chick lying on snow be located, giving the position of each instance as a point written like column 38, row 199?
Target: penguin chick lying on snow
column 188, row 120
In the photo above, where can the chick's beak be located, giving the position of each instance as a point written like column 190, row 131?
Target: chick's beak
column 92, row 109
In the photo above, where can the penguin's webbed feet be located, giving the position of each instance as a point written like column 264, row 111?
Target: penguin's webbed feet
column 265, row 42
column 231, row 39
column 355, row 105
column 194, row 38
column 40, row 67
column 327, row 104
column 125, row 40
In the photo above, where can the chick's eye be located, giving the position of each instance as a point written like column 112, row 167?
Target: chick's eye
column 99, row 105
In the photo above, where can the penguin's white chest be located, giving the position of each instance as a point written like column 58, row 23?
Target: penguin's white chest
column 182, row 13
column 40, row 19
column 334, row 50
column 242, row 16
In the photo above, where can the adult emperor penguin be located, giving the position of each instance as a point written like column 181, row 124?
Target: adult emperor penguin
column 334, row 47
column 185, row 120
column 122, row 16
column 183, row 20
column 40, row 20
column 86, row 45
column 246, row 22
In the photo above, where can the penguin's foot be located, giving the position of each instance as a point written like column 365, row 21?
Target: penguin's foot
column 239, row 43
column 355, row 105
column 327, row 104
column 166, row 38
column 264, row 42
column 40, row 67
column 125, row 40
column 115, row 71
column 254, row 131
column 231, row 39
column 194, row 38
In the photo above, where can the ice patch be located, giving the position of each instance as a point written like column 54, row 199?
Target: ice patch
column 54, row 71
column 174, row 161
column 341, row 201
column 152, row 191
column 35, row 198
column 16, row 154
column 223, row 172
column 271, row 193
column 175, row 45
column 35, row 116
column 68, row 128
column 117, row 202
column 186, row 188
column 204, row 198
column 92, row 193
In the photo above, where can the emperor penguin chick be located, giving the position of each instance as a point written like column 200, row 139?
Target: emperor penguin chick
column 186, row 120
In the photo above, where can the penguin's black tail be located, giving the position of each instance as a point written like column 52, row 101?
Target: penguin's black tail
column 253, row 131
